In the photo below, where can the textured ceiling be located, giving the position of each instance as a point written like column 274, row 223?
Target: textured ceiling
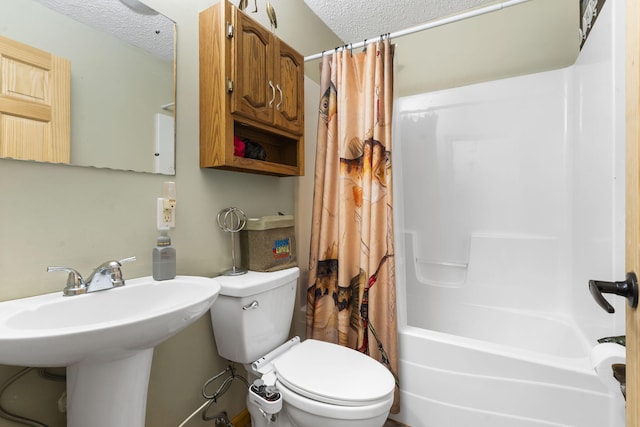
column 356, row 20
column 151, row 32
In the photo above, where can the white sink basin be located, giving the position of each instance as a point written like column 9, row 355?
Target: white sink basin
column 105, row 339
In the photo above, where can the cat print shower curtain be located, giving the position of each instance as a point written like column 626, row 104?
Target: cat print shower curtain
column 351, row 298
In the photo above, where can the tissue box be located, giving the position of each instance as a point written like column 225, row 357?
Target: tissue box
column 268, row 243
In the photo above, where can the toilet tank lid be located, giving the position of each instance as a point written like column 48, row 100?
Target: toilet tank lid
column 254, row 282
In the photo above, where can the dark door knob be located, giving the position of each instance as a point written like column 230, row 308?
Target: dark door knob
column 627, row 289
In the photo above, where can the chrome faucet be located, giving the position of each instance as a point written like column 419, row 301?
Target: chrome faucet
column 106, row 276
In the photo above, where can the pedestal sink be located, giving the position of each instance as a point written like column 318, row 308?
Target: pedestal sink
column 105, row 339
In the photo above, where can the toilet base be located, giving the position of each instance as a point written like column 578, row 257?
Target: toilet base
column 260, row 419
column 300, row 411
column 284, row 418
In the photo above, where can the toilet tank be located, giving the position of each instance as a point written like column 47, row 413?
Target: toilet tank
column 252, row 314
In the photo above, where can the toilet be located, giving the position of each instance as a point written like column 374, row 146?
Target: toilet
column 295, row 383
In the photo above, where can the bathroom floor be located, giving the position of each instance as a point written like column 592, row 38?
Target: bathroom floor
column 392, row 423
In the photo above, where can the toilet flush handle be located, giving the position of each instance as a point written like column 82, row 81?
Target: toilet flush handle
column 251, row 306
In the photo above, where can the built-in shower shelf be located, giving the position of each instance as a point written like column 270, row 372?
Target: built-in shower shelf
column 443, row 273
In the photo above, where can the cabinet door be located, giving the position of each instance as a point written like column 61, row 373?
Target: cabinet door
column 288, row 109
column 253, row 87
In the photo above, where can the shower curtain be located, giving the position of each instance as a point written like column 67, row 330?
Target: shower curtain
column 351, row 299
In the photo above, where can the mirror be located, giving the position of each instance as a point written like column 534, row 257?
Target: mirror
column 122, row 60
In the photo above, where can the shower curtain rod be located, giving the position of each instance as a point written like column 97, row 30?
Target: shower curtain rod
column 426, row 26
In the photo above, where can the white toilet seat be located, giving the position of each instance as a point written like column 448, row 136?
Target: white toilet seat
column 344, row 377
column 327, row 411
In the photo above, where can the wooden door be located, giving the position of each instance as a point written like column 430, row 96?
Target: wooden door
column 633, row 206
column 289, row 77
column 254, row 90
column 35, row 91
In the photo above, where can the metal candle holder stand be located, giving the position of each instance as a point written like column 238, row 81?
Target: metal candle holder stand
column 232, row 220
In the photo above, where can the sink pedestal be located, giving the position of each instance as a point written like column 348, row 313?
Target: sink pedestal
column 110, row 391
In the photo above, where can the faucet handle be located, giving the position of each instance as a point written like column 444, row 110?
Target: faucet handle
column 130, row 259
column 116, row 272
column 112, row 265
column 75, row 282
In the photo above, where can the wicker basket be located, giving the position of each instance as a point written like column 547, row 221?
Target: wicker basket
column 268, row 243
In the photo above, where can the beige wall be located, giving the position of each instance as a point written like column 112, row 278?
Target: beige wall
column 79, row 217
column 60, row 215
column 534, row 36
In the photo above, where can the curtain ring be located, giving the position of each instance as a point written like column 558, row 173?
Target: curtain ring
column 364, row 45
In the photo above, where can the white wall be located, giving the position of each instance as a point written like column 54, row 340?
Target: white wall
column 483, row 169
column 530, row 170
column 597, row 109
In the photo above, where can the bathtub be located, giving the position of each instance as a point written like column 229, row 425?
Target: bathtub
column 508, row 198
column 468, row 360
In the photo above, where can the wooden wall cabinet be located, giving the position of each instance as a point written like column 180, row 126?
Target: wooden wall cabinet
column 251, row 86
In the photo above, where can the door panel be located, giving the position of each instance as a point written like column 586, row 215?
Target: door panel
column 253, row 52
column 35, row 93
column 632, row 205
column 290, row 97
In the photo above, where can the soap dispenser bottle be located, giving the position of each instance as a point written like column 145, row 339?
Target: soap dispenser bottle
column 164, row 258
column 164, row 254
